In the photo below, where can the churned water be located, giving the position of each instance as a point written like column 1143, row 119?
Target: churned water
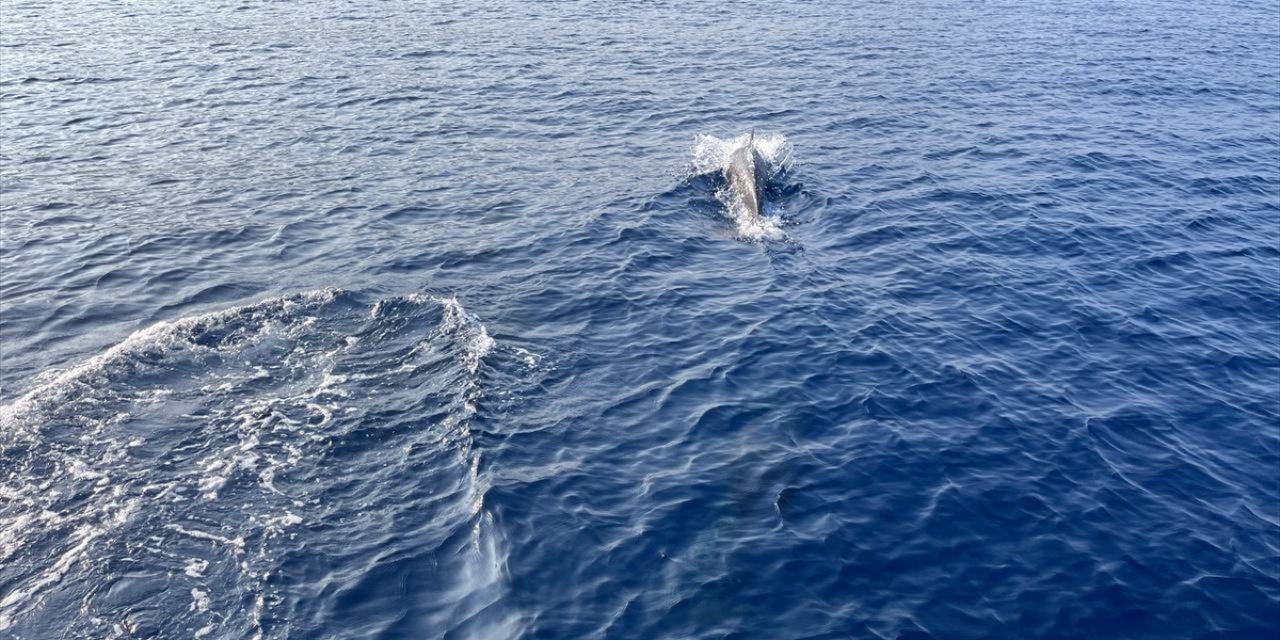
column 439, row 320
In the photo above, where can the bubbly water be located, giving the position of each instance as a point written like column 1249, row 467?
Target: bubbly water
column 438, row 320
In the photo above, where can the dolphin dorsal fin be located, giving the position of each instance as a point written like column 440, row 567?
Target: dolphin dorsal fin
column 751, row 137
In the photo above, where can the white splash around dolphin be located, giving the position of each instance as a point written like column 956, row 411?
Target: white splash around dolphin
column 711, row 155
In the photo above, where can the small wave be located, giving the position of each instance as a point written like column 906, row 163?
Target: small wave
column 457, row 322
column 477, row 343
column 711, row 157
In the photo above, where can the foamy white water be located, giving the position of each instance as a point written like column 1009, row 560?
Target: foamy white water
column 711, row 157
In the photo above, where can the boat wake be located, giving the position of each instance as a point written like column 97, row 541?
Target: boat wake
column 172, row 472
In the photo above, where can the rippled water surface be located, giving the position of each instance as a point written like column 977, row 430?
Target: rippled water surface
column 439, row 320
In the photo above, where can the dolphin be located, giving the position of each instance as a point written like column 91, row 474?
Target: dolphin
column 746, row 174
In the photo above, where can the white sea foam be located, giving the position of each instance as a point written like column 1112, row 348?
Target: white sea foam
column 711, row 156
column 196, row 567
column 199, row 600
column 236, row 543
column 81, row 540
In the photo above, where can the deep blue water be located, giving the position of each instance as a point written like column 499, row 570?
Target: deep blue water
column 435, row 320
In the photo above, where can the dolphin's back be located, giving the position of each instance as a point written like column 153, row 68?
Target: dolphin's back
column 746, row 174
